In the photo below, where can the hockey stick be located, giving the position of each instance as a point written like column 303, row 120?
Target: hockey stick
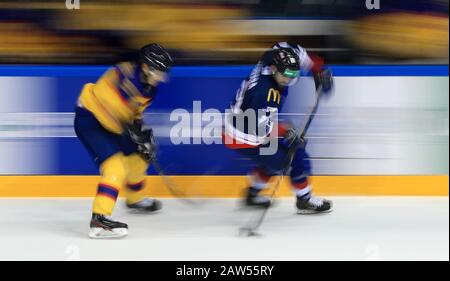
column 252, row 229
column 147, row 151
column 173, row 189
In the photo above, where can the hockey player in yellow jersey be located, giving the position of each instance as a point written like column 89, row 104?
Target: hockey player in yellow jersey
column 109, row 123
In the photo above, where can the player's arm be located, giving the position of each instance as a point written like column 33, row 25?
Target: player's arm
column 112, row 94
column 142, row 135
column 270, row 101
column 290, row 139
column 323, row 77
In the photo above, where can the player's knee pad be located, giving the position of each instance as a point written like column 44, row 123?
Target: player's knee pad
column 136, row 166
column 114, row 170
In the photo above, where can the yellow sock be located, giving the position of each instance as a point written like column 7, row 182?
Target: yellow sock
column 137, row 171
column 105, row 200
column 135, row 192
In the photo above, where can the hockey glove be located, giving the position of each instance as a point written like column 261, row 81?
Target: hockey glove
column 144, row 140
column 292, row 141
column 324, row 78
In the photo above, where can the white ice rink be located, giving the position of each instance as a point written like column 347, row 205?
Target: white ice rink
column 360, row 228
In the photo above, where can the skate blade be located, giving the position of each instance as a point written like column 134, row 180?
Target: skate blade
column 143, row 212
column 101, row 233
column 313, row 212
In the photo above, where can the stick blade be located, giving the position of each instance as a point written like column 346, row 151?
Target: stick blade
column 247, row 232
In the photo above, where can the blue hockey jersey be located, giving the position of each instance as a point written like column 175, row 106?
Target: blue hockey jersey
column 254, row 110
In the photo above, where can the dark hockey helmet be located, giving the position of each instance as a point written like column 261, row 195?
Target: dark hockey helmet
column 287, row 62
column 156, row 57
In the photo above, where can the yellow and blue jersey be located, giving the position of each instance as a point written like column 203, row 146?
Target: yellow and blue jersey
column 118, row 97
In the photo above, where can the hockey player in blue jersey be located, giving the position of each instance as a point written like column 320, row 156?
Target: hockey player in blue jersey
column 265, row 91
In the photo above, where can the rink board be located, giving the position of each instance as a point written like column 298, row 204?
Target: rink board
column 383, row 132
column 227, row 186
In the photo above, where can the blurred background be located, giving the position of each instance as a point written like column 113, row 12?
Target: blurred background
column 223, row 31
column 384, row 130
column 388, row 115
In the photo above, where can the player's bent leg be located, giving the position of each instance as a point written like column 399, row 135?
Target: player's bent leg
column 136, row 199
column 113, row 171
column 306, row 203
column 268, row 166
column 258, row 182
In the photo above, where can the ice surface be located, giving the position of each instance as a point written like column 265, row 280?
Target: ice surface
column 360, row 228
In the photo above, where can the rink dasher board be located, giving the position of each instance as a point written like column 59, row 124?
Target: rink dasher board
column 384, row 131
